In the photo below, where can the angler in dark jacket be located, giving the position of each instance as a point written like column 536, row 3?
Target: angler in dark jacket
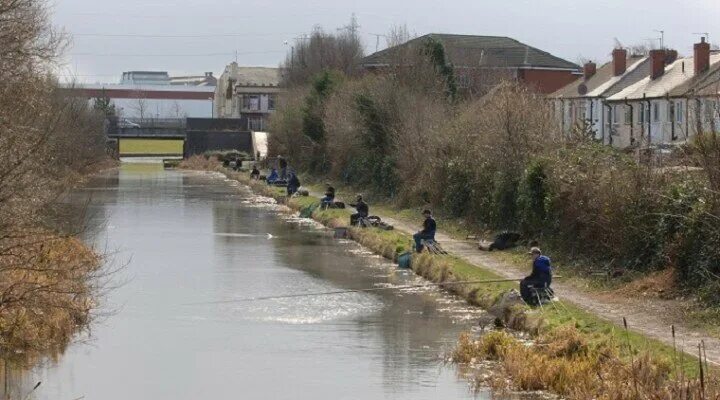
column 363, row 211
column 329, row 198
column 293, row 184
column 541, row 276
column 428, row 231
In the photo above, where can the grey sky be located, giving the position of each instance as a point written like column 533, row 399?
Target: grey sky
column 566, row 28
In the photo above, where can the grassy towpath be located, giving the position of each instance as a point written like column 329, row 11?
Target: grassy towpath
column 647, row 317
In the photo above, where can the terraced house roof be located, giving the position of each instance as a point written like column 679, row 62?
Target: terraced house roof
column 471, row 51
column 675, row 81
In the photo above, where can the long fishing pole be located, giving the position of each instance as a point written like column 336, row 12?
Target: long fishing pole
column 376, row 289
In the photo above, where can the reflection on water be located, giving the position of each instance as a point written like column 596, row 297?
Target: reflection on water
column 193, row 238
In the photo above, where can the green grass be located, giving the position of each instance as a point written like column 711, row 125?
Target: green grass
column 449, row 267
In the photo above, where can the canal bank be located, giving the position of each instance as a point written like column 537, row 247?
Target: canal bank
column 559, row 325
column 188, row 238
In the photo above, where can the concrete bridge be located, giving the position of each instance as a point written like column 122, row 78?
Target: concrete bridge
column 172, row 138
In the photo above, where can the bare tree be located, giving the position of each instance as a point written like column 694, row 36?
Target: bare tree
column 46, row 139
column 324, row 51
column 398, row 35
column 140, row 105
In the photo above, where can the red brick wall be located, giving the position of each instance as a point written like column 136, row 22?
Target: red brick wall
column 546, row 81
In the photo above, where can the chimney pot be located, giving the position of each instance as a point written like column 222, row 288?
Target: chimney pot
column 619, row 56
column 589, row 70
column 701, row 56
column 657, row 60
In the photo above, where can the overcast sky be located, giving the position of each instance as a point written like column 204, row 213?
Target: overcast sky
column 207, row 33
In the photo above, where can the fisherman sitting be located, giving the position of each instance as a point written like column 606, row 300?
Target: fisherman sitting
column 362, row 210
column 283, row 165
column 272, row 177
column 536, row 287
column 329, row 198
column 255, row 173
column 427, row 233
column 293, row 183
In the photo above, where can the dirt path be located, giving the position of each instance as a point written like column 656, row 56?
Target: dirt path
column 650, row 317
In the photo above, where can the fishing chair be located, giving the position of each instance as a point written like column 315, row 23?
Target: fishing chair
column 543, row 293
column 433, row 247
column 362, row 222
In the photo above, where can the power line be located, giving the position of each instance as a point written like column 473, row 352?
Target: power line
column 174, row 55
column 178, row 36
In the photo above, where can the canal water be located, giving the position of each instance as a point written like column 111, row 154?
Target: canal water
column 191, row 243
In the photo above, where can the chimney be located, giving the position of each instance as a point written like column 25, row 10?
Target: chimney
column 619, row 61
column 701, row 56
column 657, row 60
column 589, row 70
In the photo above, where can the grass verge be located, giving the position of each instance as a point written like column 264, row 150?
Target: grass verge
column 657, row 370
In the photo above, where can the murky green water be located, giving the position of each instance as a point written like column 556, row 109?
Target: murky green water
column 191, row 238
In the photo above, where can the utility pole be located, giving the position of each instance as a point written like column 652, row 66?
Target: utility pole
column 377, row 39
column 353, row 27
column 662, row 38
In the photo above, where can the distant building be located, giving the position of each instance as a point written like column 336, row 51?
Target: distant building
column 583, row 104
column 145, row 102
column 672, row 103
column 145, row 78
column 481, row 61
column 249, row 92
column 194, row 80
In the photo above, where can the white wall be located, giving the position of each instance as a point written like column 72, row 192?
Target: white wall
column 162, row 108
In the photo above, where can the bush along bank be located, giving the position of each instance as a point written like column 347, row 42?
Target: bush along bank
column 502, row 162
column 581, row 343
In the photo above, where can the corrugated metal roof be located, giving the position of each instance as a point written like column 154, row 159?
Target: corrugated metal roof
column 472, row 51
column 676, row 76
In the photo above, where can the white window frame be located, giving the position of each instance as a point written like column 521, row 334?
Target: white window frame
column 679, row 111
column 655, row 112
column 628, row 115
column 246, row 105
column 615, row 114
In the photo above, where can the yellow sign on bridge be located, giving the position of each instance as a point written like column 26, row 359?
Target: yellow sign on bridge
column 150, row 147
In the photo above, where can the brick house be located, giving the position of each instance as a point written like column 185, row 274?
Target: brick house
column 481, row 61
column 583, row 102
column 672, row 103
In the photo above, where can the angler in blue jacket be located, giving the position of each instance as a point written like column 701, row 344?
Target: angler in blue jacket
column 541, row 276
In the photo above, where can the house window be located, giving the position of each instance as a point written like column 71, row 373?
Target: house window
column 581, row 112
column 463, row 81
column 256, row 123
column 616, row 114
column 671, row 112
column 271, row 102
column 711, row 111
column 679, row 111
column 628, row 115
column 251, row 102
column 656, row 112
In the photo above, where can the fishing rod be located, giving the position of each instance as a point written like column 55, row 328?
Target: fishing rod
column 376, row 289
